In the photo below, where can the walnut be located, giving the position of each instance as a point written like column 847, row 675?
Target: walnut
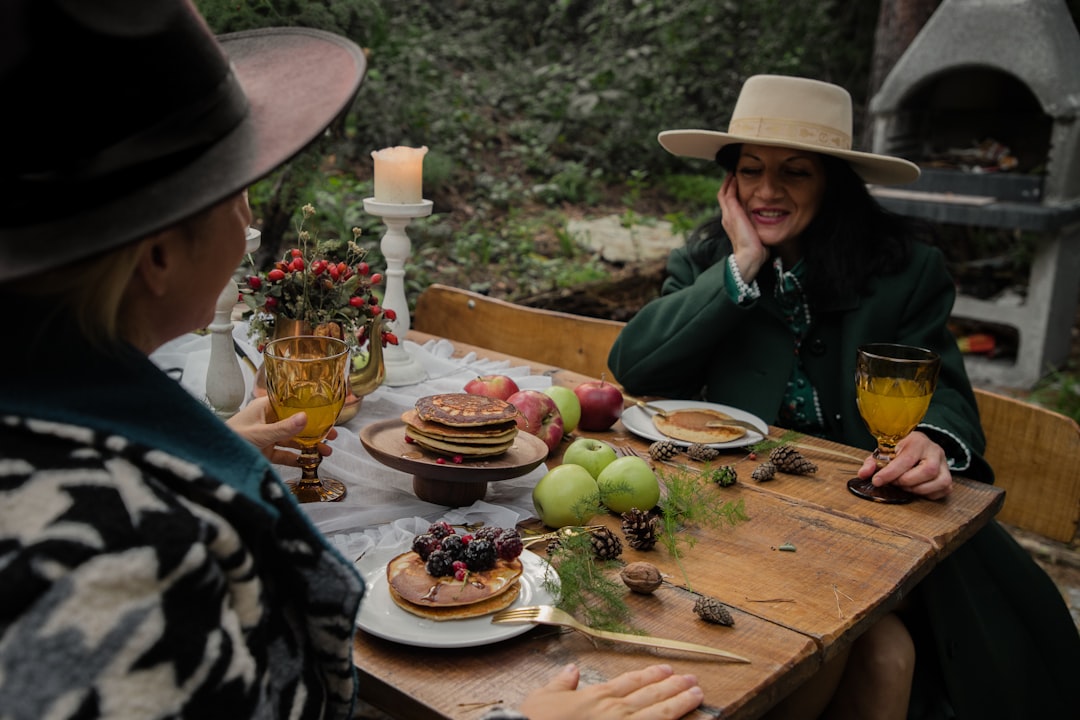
column 641, row 577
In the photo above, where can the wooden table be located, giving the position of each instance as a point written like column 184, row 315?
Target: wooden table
column 853, row 562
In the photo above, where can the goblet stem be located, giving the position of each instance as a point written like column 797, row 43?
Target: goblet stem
column 309, row 487
column 309, row 465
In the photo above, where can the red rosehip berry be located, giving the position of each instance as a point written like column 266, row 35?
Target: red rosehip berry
column 390, row 314
column 271, row 303
column 753, row 456
column 318, row 267
column 356, row 301
column 376, row 278
column 333, row 271
column 363, row 268
column 275, row 275
column 375, row 308
column 254, row 282
column 297, row 264
column 295, row 253
column 342, row 268
column 390, row 338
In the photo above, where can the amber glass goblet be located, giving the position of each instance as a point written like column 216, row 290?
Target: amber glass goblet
column 893, row 387
column 309, row 374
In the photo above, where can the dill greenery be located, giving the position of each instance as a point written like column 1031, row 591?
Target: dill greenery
column 689, row 501
column 586, row 587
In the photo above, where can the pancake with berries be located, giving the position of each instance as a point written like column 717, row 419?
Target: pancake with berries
column 447, row 576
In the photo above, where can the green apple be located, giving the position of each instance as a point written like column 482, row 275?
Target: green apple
column 566, row 495
column 628, row 482
column 592, row 454
column 568, row 404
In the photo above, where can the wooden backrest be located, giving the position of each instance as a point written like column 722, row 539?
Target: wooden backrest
column 573, row 342
column 1035, row 454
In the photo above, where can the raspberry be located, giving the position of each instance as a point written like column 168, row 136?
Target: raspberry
column 458, row 459
column 460, row 574
column 440, row 461
column 439, row 563
column 480, row 555
column 424, row 544
column 508, row 545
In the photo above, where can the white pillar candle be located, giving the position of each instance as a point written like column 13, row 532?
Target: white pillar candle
column 399, row 174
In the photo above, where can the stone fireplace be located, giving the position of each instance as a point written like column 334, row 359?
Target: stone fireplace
column 987, row 101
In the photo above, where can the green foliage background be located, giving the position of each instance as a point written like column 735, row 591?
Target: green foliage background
column 545, row 104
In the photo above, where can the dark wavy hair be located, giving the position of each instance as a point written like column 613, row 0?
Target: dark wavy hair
column 851, row 240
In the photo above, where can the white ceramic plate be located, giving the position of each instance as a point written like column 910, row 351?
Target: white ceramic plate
column 639, row 421
column 380, row 616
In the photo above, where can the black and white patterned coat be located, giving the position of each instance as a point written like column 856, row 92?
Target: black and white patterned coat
column 152, row 565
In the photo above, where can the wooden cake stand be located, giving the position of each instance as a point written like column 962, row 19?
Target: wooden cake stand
column 449, row 483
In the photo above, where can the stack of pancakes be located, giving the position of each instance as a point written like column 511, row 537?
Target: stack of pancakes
column 444, row 598
column 462, row 424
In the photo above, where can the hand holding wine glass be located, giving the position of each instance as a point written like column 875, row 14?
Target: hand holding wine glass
column 309, row 374
column 893, row 386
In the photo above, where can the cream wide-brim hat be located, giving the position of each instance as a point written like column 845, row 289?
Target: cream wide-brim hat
column 797, row 113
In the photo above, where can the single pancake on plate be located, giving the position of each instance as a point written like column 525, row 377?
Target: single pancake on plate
column 692, row 425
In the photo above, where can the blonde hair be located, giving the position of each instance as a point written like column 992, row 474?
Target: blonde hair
column 91, row 291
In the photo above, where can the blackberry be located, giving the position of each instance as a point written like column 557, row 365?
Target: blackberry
column 488, row 532
column 440, row 529
column 480, row 555
column 439, row 563
column 508, row 545
column 422, row 545
column 454, row 546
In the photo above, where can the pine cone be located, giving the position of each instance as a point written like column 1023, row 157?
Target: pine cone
column 640, row 529
column 725, row 476
column 704, row 453
column 712, row 610
column 663, row 450
column 788, row 459
column 764, row 472
column 606, row 544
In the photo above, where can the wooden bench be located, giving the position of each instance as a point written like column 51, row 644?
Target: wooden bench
column 1035, row 452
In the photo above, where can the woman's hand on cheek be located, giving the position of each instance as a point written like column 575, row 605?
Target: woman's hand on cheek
column 750, row 253
column 919, row 466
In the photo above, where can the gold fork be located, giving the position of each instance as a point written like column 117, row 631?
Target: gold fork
column 550, row 615
column 563, row 532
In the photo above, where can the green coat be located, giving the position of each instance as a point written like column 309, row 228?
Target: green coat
column 695, row 342
column 993, row 636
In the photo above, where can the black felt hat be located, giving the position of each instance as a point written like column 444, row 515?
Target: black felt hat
column 122, row 118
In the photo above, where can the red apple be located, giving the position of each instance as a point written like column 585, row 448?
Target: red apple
column 601, row 404
column 538, row 415
column 495, row 386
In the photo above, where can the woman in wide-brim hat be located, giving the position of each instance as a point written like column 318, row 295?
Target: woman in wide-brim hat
column 764, row 309
column 153, row 564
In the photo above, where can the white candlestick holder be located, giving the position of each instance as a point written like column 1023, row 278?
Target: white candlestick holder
column 225, row 386
column 401, row 367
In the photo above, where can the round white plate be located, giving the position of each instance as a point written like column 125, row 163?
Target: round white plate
column 380, row 616
column 639, row 421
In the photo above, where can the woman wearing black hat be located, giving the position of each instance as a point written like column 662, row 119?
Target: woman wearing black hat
column 152, row 563
column 764, row 309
